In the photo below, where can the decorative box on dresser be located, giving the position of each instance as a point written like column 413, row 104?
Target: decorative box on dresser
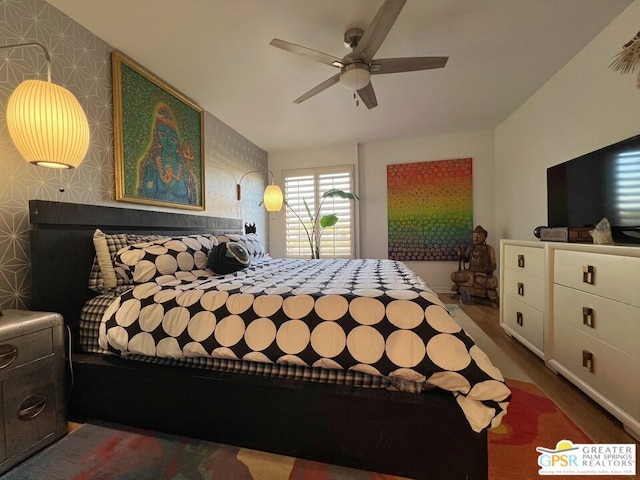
column 522, row 284
column 596, row 325
column 32, row 408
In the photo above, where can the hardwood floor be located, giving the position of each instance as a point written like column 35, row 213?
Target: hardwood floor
column 596, row 422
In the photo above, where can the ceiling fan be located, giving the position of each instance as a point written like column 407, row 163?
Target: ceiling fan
column 357, row 67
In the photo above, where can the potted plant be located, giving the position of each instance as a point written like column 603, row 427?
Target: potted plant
column 319, row 223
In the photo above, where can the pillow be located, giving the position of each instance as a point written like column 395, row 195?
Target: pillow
column 146, row 261
column 228, row 257
column 103, row 275
column 103, row 260
column 250, row 241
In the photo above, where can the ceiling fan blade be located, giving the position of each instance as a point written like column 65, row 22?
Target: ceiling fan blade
column 307, row 53
column 368, row 96
column 409, row 64
column 319, row 88
column 375, row 34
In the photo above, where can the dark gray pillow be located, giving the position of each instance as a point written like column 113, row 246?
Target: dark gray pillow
column 228, row 257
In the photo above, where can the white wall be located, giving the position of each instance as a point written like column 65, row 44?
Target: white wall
column 346, row 154
column 584, row 107
column 374, row 158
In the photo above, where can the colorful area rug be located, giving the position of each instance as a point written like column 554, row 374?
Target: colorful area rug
column 98, row 451
column 532, row 420
column 101, row 451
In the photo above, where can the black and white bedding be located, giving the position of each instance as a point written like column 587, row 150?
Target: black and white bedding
column 368, row 318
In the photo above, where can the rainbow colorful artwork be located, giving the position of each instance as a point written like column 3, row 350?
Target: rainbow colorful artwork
column 430, row 209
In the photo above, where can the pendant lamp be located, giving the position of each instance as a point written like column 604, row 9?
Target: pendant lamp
column 46, row 122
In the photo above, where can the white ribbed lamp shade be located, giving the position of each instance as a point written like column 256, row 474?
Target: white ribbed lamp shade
column 47, row 125
column 273, row 198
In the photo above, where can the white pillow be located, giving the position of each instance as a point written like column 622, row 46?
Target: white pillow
column 104, row 259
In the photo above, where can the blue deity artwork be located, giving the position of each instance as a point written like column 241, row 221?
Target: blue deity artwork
column 165, row 169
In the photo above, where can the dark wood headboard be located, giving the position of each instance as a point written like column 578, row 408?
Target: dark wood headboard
column 62, row 249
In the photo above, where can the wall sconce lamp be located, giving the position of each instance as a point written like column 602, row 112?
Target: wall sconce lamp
column 272, row 198
column 46, row 122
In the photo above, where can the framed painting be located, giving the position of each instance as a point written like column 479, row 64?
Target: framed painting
column 430, row 209
column 159, row 139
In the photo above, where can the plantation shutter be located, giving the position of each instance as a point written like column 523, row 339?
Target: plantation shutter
column 298, row 189
column 309, row 185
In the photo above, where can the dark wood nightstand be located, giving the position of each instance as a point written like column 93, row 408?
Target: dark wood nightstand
column 32, row 403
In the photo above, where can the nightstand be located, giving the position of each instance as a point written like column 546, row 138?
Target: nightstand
column 32, row 403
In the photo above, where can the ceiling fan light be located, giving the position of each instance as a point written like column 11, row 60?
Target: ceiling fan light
column 355, row 76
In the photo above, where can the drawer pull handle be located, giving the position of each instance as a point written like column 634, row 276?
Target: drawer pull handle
column 521, row 289
column 8, row 353
column 588, row 274
column 587, row 360
column 521, row 261
column 588, row 317
column 519, row 318
column 32, row 407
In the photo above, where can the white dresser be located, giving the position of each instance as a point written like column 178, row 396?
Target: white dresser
column 522, row 282
column 590, row 327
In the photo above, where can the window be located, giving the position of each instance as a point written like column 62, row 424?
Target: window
column 626, row 179
column 308, row 185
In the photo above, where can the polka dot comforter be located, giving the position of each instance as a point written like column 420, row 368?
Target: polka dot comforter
column 372, row 316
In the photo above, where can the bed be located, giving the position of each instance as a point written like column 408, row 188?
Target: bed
column 346, row 409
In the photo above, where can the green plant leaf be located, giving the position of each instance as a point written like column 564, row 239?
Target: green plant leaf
column 306, row 205
column 334, row 192
column 328, row 220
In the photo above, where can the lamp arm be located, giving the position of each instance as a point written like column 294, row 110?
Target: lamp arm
column 238, row 188
column 33, row 44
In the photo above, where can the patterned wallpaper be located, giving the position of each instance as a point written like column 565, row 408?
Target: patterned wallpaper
column 81, row 62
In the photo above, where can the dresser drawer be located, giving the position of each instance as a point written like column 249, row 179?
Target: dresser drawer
column 30, row 408
column 529, row 260
column 614, row 374
column 524, row 320
column 613, row 276
column 27, row 348
column 614, row 323
column 524, row 287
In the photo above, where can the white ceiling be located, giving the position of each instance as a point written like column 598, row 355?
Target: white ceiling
column 217, row 53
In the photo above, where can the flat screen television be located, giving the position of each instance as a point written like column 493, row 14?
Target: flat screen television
column 604, row 183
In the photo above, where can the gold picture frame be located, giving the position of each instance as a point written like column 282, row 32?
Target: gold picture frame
column 159, row 139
